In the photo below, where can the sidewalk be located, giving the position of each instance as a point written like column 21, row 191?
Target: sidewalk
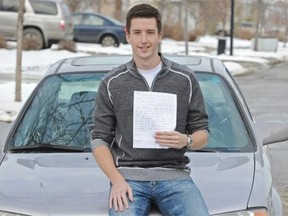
column 252, row 66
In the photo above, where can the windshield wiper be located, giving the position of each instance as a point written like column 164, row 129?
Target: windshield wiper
column 49, row 147
column 216, row 149
column 204, row 150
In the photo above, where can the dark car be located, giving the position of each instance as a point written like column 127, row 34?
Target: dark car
column 96, row 28
column 47, row 167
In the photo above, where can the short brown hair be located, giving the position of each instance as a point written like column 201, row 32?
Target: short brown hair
column 143, row 11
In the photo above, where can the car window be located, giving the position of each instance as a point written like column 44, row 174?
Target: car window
column 93, row 20
column 44, row 7
column 117, row 22
column 227, row 127
column 8, row 5
column 61, row 112
column 220, row 66
column 65, row 10
column 77, row 19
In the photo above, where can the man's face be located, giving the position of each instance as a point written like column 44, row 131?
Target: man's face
column 144, row 37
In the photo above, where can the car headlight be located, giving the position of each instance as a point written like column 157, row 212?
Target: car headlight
column 249, row 212
column 2, row 213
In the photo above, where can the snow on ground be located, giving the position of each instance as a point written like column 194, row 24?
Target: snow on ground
column 35, row 63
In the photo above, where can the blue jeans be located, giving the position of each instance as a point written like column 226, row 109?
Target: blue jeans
column 174, row 197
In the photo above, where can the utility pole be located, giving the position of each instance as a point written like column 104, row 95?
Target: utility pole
column 18, row 77
column 186, row 28
column 258, row 12
column 232, row 27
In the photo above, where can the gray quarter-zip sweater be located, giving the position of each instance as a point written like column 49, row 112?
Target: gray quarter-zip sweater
column 113, row 120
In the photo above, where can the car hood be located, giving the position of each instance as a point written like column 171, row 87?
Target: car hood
column 73, row 184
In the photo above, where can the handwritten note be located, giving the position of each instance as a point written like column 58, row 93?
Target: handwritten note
column 153, row 111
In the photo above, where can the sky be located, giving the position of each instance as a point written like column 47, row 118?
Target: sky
column 35, row 63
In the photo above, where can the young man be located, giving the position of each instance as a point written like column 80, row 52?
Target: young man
column 139, row 175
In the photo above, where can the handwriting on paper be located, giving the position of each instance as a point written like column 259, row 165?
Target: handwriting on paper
column 153, row 111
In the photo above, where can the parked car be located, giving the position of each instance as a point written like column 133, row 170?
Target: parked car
column 47, row 21
column 47, row 168
column 96, row 28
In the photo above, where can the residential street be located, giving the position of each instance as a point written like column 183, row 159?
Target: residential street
column 266, row 93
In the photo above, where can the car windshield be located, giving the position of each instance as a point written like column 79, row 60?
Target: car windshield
column 61, row 114
column 227, row 128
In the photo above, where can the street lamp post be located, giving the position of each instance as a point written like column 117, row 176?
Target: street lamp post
column 186, row 29
column 232, row 27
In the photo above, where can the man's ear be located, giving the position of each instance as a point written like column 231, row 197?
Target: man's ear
column 127, row 35
column 160, row 35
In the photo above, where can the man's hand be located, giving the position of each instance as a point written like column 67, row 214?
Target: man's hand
column 174, row 139
column 120, row 189
column 171, row 139
column 119, row 195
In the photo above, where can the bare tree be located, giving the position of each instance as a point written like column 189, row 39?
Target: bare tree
column 215, row 15
column 257, row 25
column 286, row 23
column 99, row 6
column 278, row 20
column 74, row 5
column 160, row 5
column 198, row 12
column 19, row 51
column 118, row 10
column 222, row 11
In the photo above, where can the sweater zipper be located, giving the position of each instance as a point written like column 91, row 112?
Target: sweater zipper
column 153, row 83
column 150, row 90
column 148, row 87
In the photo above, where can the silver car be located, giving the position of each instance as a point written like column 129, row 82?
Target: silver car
column 47, row 21
column 47, row 168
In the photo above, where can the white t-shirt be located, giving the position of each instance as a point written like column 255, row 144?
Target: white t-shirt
column 150, row 75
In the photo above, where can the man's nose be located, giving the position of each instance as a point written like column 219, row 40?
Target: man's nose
column 144, row 37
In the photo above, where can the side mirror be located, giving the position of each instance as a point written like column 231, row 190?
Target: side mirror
column 273, row 132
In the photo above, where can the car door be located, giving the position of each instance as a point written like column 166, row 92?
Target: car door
column 91, row 28
column 8, row 18
column 95, row 25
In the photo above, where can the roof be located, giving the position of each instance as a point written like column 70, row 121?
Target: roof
column 108, row 62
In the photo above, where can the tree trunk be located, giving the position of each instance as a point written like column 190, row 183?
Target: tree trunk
column 258, row 15
column 286, row 23
column 118, row 10
column 19, row 51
